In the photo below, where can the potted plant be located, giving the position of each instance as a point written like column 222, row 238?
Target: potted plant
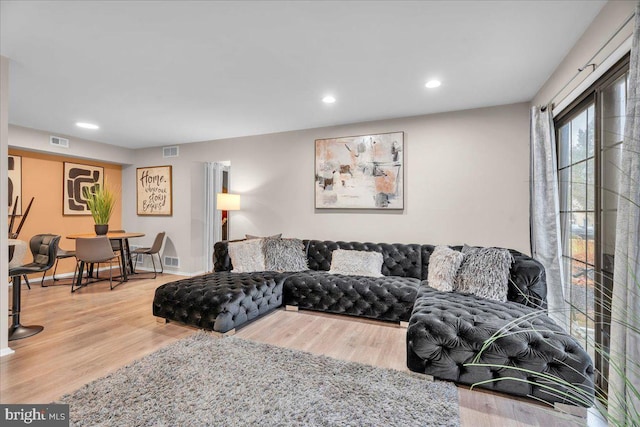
column 100, row 202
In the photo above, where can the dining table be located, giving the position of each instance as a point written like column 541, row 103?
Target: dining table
column 125, row 253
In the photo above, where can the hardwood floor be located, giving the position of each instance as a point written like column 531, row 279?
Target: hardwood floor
column 96, row 331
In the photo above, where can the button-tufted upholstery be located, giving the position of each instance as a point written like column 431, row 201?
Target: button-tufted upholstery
column 527, row 284
column 219, row 301
column 447, row 330
column 385, row 298
column 399, row 259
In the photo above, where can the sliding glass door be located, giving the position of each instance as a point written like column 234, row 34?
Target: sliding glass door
column 589, row 136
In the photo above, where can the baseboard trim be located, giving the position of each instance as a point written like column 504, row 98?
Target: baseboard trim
column 6, row 351
column 291, row 307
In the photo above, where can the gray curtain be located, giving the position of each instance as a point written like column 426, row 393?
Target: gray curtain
column 212, row 216
column 545, row 208
column 624, row 375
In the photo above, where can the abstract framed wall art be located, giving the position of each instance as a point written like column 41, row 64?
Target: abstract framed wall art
column 15, row 184
column 154, row 191
column 79, row 179
column 360, row 172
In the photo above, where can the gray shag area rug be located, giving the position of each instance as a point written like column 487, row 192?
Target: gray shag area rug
column 203, row 380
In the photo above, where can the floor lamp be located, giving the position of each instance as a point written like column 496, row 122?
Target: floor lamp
column 226, row 202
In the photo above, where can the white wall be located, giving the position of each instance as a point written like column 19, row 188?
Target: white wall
column 4, row 228
column 603, row 27
column 466, row 181
column 38, row 140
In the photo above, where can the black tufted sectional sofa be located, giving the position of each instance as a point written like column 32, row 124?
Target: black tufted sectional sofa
column 446, row 331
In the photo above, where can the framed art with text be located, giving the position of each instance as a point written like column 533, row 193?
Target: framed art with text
column 79, row 179
column 360, row 172
column 154, row 191
column 15, row 184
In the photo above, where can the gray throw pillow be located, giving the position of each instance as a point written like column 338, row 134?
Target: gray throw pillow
column 484, row 273
column 247, row 256
column 356, row 263
column 251, row 236
column 444, row 263
column 284, row 255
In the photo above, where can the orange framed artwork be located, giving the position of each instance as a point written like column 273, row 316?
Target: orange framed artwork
column 154, row 191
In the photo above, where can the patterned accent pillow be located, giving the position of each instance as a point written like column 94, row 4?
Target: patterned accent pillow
column 247, row 256
column 356, row 263
column 444, row 263
column 284, row 255
column 484, row 273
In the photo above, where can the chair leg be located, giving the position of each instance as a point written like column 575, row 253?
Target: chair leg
column 26, row 280
column 161, row 266
column 154, row 266
column 73, row 282
column 42, row 281
column 133, row 263
column 110, row 274
column 55, row 268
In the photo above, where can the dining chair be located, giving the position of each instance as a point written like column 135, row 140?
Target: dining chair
column 93, row 250
column 153, row 250
column 61, row 254
column 44, row 248
column 39, row 246
column 117, row 246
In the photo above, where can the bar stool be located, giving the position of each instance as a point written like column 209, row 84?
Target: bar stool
column 44, row 248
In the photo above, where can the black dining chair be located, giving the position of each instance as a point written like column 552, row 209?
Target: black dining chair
column 61, row 254
column 44, row 248
column 153, row 250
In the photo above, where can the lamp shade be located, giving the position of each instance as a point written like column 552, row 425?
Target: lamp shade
column 228, row 202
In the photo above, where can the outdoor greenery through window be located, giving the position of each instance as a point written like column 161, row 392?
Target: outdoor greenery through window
column 589, row 138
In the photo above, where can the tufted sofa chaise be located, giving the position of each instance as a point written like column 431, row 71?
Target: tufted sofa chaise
column 446, row 330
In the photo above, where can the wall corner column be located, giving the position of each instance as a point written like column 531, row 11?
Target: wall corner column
column 4, row 252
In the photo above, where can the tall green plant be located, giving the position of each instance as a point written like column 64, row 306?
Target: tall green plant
column 100, row 203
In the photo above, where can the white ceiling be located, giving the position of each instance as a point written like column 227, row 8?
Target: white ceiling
column 155, row 73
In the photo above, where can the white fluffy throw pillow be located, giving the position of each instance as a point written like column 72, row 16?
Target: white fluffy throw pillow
column 444, row 263
column 247, row 256
column 356, row 263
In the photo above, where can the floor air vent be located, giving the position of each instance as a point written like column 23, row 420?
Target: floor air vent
column 170, row 261
column 58, row 142
column 170, row 151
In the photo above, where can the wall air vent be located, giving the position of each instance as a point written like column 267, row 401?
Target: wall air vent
column 170, row 151
column 170, row 261
column 58, row 142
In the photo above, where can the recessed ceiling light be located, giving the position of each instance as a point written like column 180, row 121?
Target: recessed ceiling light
column 329, row 99
column 87, row 125
column 433, row 83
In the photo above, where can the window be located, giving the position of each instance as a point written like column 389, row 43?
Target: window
column 589, row 137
